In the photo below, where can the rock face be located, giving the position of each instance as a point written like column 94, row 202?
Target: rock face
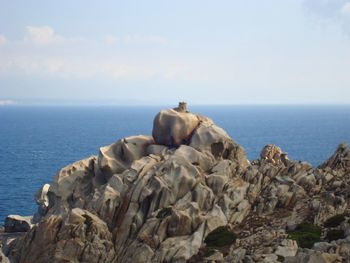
column 16, row 223
column 156, row 199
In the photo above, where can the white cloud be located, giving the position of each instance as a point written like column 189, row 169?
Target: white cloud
column 138, row 39
column 69, row 67
column 51, row 58
column 134, row 39
column 3, row 40
column 110, row 40
column 7, row 102
column 42, row 35
column 346, row 8
column 45, row 35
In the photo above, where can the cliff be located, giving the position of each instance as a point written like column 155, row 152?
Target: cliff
column 187, row 193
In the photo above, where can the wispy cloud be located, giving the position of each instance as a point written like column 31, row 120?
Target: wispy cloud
column 332, row 12
column 45, row 35
column 68, row 67
column 134, row 39
column 110, row 40
column 58, row 55
column 139, row 39
column 3, row 40
column 346, row 8
column 7, row 102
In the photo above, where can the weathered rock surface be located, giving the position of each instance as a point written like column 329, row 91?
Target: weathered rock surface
column 156, row 199
column 16, row 223
column 173, row 128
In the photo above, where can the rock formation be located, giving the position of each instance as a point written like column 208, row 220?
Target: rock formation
column 189, row 194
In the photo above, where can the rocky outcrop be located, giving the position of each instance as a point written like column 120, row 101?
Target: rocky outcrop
column 77, row 236
column 119, row 156
column 157, row 199
column 16, row 223
column 274, row 154
column 173, row 128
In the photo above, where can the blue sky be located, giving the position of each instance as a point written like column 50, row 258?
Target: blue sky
column 160, row 52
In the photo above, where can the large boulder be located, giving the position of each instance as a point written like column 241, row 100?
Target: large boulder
column 174, row 127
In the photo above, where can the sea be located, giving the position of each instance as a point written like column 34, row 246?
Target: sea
column 36, row 141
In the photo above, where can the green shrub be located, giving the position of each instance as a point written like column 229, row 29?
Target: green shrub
column 220, row 237
column 306, row 235
column 310, row 228
column 334, row 221
column 335, row 234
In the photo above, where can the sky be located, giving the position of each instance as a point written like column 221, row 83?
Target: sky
column 161, row 52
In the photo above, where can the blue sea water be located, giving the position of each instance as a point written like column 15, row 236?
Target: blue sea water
column 35, row 142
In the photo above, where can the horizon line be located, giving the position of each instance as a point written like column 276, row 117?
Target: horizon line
column 94, row 104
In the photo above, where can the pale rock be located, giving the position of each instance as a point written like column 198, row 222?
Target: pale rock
column 273, row 154
column 156, row 149
column 42, row 199
column 180, row 249
column 17, row 223
column 212, row 139
column 223, row 167
column 173, row 128
column 71, row 185
column 236, row 255
column 344, row 250
column 139, row 253
column 3, row 258
column 204, row 160
column 216, row 257
column 119, row 156
column 269, row 258
column 339, row 161
column 217, row 182
column 74, row 238
column 214, row 219
column 240, row 212
column 288, row 248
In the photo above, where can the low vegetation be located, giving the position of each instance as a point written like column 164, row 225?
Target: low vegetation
column 306, row 235
column 220, row 237
column 335, row 234
column 334, row 221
